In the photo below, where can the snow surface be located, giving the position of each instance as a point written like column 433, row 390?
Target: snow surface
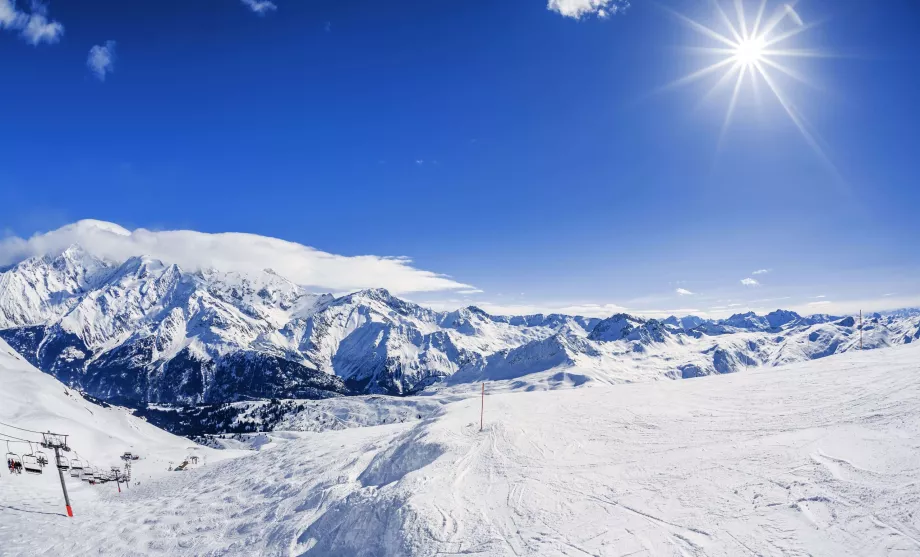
column 814, row 458
column 98, row 436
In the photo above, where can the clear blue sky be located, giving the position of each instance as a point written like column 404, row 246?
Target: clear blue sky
column 499, row 142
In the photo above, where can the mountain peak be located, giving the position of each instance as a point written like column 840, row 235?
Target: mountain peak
column 380, row 294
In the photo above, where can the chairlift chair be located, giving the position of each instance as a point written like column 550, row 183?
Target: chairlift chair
column 30, row 464
column 87, row 474
column 76, row 468
column 63, row 463
column 13, row 460
column 42, row 458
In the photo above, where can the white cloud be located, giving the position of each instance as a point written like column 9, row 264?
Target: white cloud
column 581, row 8
column 101, row 59
column 683, row 292
column 599, row 310
column 260, row 7
column 234, row 252
column 589, row 310
column 769, row 300
column 34, row 27
column 761, row 272
column 749, row 282
column 583, row 309
column 852, row 307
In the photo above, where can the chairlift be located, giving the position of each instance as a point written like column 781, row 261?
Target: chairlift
column 30, row 464
column 76, row 468
column 13, row 461
column 63, row 463
column 42, row 458
column 87, row 474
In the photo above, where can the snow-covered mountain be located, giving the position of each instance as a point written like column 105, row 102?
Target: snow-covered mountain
column 98, row 435
column 144, row 331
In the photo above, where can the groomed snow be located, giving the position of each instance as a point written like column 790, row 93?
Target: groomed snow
column 815, row 458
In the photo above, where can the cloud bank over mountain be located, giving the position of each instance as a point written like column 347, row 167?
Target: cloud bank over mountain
column 232, row 251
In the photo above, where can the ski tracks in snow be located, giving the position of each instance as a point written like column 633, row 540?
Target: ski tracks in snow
column 816, row 459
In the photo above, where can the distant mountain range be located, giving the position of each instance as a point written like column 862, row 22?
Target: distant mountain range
column 143, row 331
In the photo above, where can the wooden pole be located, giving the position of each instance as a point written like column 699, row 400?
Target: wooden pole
column 482, row 410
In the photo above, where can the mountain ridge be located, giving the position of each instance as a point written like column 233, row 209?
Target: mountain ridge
column 144, row 331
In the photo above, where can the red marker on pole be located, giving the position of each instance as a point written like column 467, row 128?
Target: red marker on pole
column 482, row 410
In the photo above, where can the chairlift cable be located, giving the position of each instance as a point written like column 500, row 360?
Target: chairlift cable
column 22, row 428
column 17, row 439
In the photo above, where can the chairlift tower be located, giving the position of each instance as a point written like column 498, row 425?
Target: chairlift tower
column 127, row 457
column 116, row 473
column 58, row 442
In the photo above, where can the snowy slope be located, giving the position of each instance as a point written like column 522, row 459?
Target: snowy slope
column 817, row 458
column 98, row 436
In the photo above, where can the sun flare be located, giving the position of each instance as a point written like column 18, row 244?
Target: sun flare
column 754, row 49
column 750, row 51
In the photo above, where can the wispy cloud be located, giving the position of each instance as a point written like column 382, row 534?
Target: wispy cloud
column 750, row 282
column 101, row 59
column 34, row 26
column 234, row 252
column 761, row 272
column 583, row 8
column 683, row 292
column 852, row 307
column 769, row 300
column 260, row 7
column 583, row 309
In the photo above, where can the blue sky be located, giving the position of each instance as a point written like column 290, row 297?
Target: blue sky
column 523, row 152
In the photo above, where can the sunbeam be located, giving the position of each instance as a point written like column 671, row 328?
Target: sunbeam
column 751, row 49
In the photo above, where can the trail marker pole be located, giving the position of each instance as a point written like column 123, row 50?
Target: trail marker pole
column 860, row 330
column 482, row 409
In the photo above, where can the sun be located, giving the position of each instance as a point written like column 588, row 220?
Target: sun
column 750, row 52
column 754, row 49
